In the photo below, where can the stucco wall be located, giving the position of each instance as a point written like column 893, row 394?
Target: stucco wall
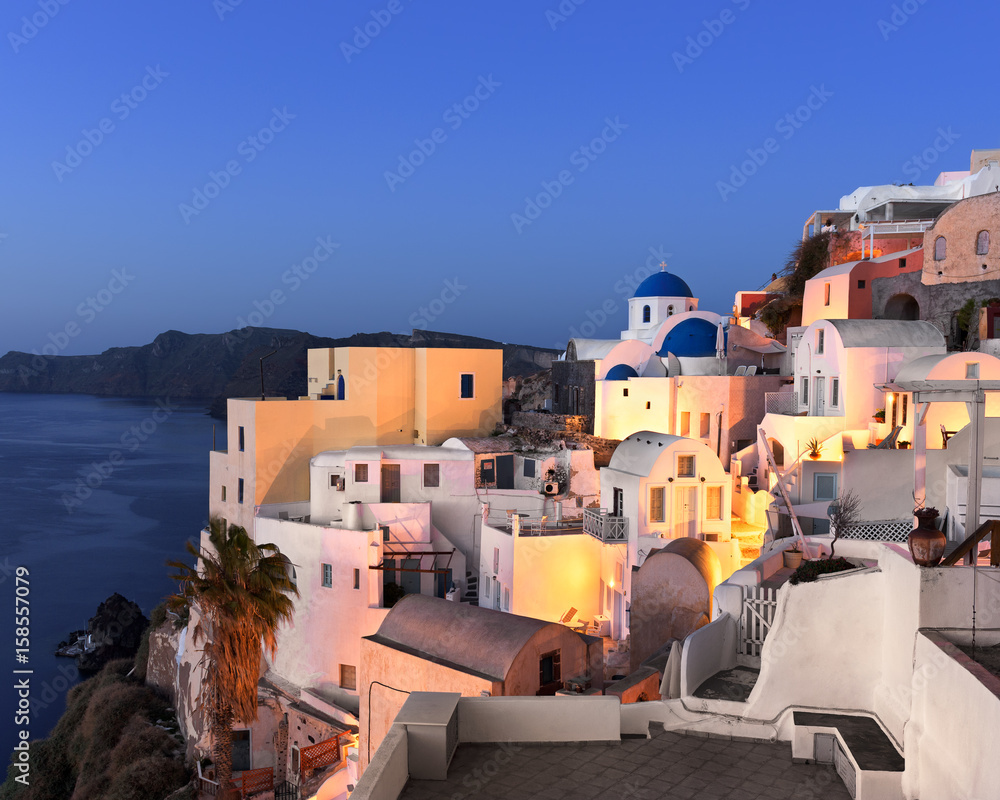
column 539, row 719
column 522, row 677
column 553, row 573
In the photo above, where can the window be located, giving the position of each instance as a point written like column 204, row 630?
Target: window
column 506, row 598
column 468, row 385
column 328, row 576
column 357, row 578
column 361, row 473
column 242, row 438
column 348, row 677
column 983, row 243
column 239, row 491
column 902, row 263
column 685, row 466
column 624, row 392
column 656, row 504
column 804, row 382
column 685, row 423
column 820, row 336
column 549, row 668
column 706, row 423
column 902, row 418
column 645, row 314
column 824, row 486
column 529, row 468
column 223, row 494
column 971, row 371
column 940, row 248
column 432, row 475
column 385, row 532
column 647, row 405
column 496, row 560
column 861, row 284
column 826, row 294
column 486, row 587
column 835, row 391
column 713, row 502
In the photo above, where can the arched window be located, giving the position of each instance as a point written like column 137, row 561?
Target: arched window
column 983, row 243
column 645, row 313
column 940, row 248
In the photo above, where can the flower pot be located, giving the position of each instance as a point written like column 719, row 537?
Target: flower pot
column 791, row 558
column 926, row 543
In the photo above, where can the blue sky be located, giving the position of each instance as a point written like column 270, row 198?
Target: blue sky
column 242, row 140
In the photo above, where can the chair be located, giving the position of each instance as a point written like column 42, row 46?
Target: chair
column 565, row 618
column 946, row 435
column 751, row 370
column 740, row 371
column 889, row 442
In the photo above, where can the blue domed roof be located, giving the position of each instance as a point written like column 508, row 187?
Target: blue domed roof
column 621, row 372
column 663, row 284
column 692, row 338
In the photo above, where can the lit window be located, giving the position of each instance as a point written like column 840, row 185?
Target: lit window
column 940, row 248
column 971, row 371
column 468, row 386
column 983, row 243
column 357, row 578
column 685, row 466
column 645, row 314
column 656, row 504
column 348, row 677
column 361, row 473
column 432, row 475
column 713, row 502
column 826, row 294
column 328, row 575
column 820, row 336
column 239, row 491
column 685, row 423
column 835, row 392
column 242, row 438
column 824, row 486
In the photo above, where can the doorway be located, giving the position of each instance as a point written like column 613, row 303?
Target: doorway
column 390, row 483
column 820, row 397
column 686, row 511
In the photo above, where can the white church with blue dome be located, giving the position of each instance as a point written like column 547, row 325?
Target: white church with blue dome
column 658, row 297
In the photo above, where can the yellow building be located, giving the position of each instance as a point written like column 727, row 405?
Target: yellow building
column 356, row 396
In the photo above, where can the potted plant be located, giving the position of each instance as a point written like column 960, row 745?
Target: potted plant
column 792, row 557
column 879, row 415
column 903, row 444
column 814, row 448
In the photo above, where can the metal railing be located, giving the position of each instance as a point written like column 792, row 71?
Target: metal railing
column 781, row 403
column 601, row 525
column 903, row 226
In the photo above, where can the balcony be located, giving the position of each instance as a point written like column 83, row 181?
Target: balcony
column 601, row 525
column 786, row 403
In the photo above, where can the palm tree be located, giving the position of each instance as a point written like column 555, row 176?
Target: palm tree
column 240, row 591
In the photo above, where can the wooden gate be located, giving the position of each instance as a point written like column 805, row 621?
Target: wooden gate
column 759, row 608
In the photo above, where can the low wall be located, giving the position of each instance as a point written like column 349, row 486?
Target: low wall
column 539, row 719
column 707, row 651
column 388, row 771
column 956, row 714
column 640, row 686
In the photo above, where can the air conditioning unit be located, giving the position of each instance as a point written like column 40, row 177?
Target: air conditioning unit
column 550, row 487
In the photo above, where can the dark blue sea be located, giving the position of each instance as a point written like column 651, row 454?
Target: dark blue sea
column 97, row 494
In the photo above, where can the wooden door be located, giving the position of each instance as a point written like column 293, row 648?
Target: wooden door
column 390, row 483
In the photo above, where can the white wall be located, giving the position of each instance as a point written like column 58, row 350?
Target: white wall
column 539, row 719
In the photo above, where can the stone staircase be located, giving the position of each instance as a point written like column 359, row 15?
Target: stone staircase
column 471, row 595
column 750, row 538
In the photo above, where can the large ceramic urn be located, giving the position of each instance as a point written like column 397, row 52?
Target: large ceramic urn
column 926, row 542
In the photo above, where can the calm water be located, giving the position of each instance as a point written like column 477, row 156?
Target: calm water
column 97, row 494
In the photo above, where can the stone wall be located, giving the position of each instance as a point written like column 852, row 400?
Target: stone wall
column 573, row 388
column 552, row 422
column 960, row 225
column 161, row 669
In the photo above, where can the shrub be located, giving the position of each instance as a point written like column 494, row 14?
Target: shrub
column 809, row 571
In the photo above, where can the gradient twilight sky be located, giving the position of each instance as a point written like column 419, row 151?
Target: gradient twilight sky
column 884, row 77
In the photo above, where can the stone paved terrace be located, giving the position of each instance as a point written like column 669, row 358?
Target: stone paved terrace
column 669, row 765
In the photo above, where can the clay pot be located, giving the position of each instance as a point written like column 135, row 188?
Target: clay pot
column 925, row 541
column 792, row 558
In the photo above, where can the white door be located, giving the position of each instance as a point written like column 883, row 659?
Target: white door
column 686, row 511
column 819, row 397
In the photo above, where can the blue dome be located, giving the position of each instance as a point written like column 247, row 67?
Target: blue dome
column 663, row 284
column 692, row 338
column 621, row 372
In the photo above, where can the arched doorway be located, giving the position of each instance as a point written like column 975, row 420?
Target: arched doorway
column 902, row 306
